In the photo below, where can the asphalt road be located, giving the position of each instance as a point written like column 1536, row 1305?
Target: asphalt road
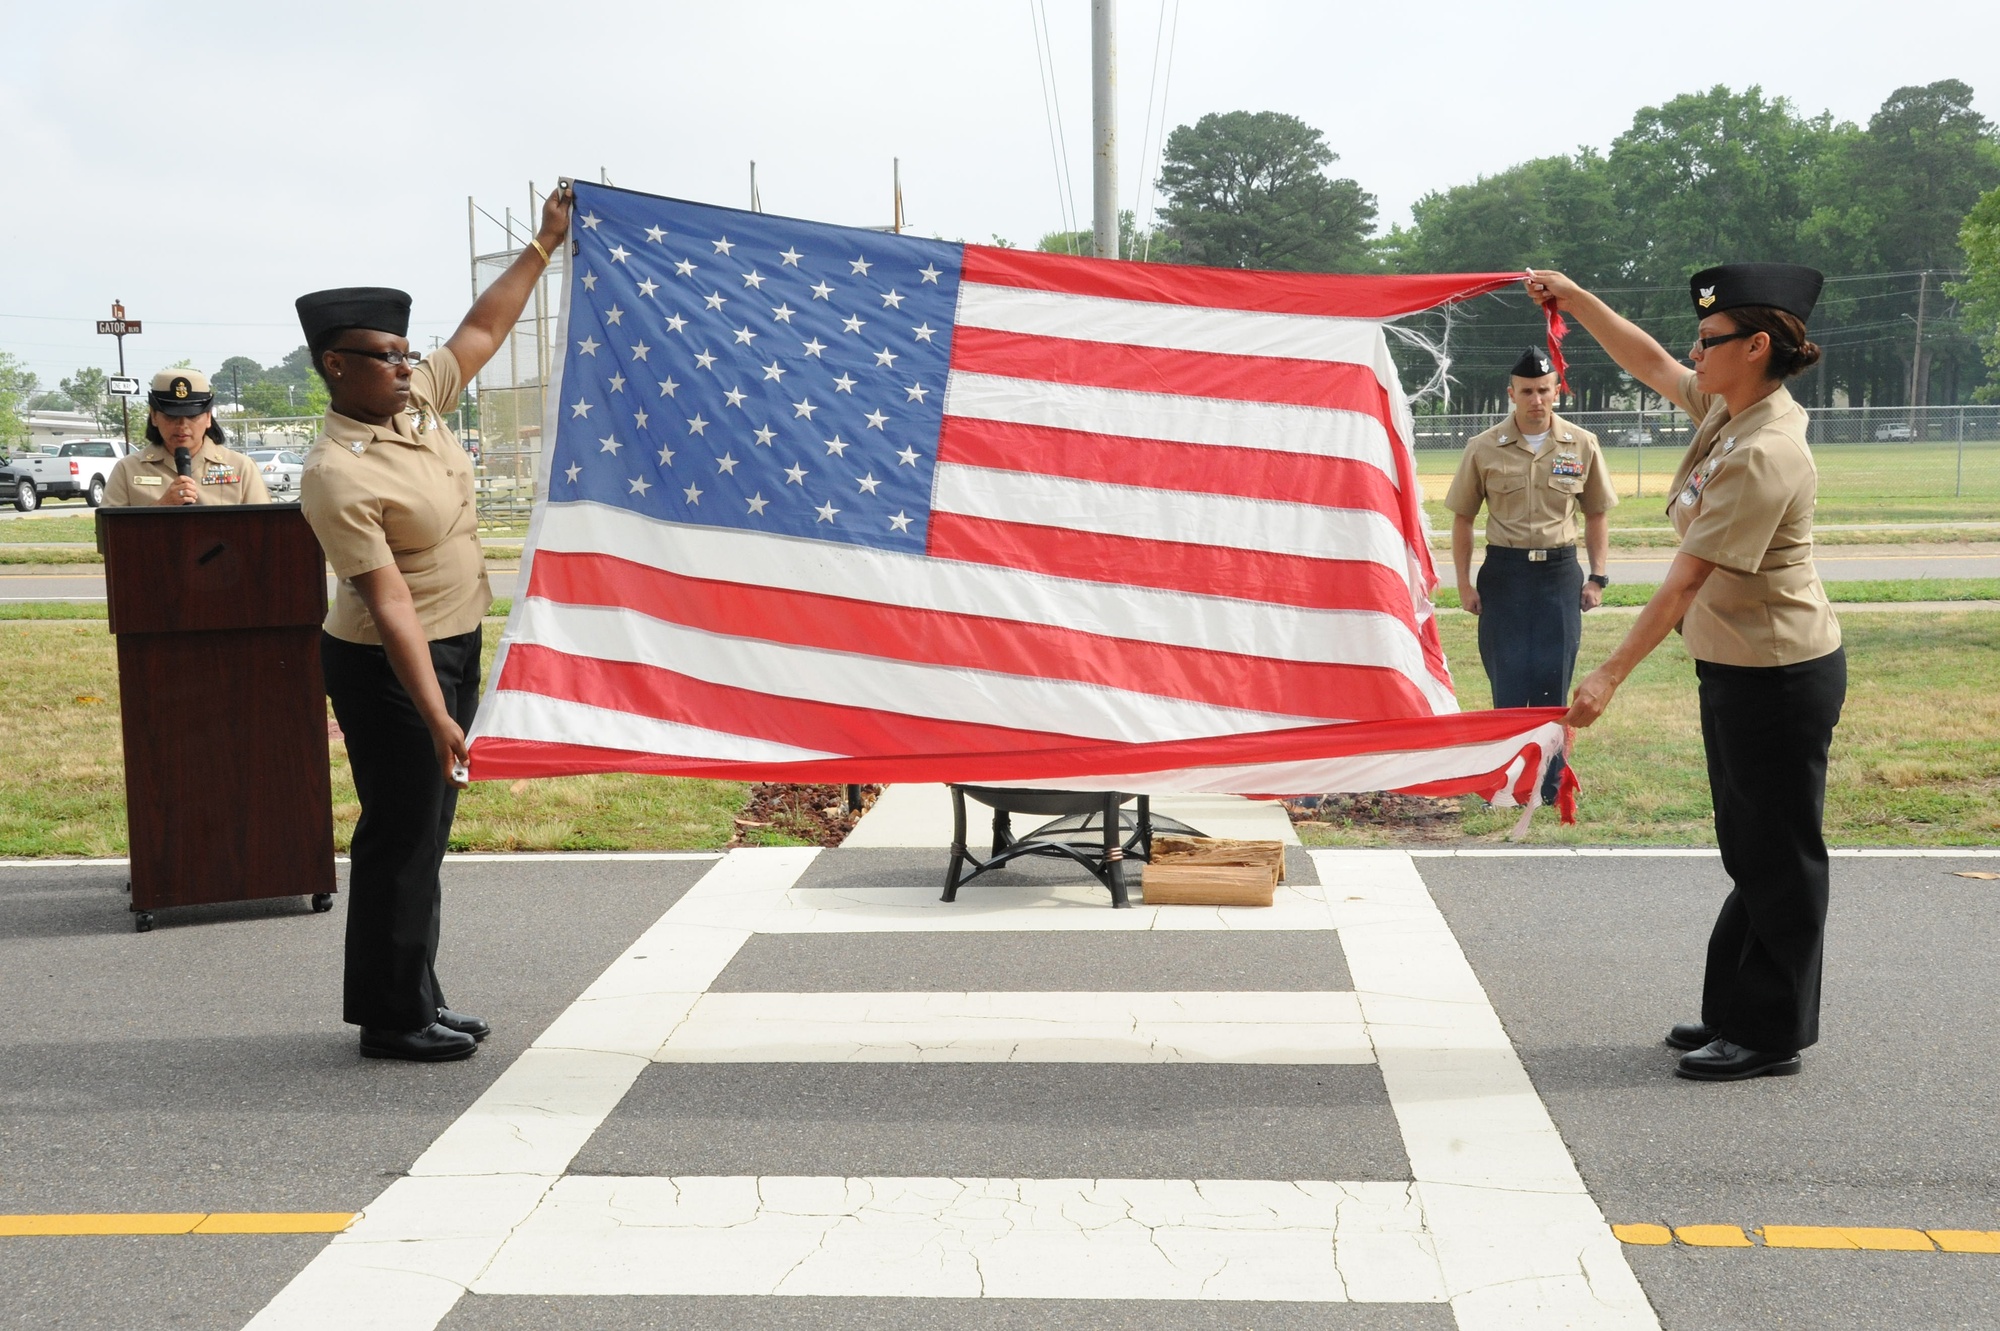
column 203, row 1067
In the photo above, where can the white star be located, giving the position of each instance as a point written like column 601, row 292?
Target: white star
column 795, row 475
column 782, row 313
column 590, row 281
column 614, row 315
column 685, row 267
column 844, row 384
column 715, row 300
column 915, row 393
column 573, row 472
column 744, row 337
column 640, row 418
column 639, row 350
column 648, row 287
column 822, row 291
column 901, row 522
column 666, row 456
column 906, row 456
column 804, row 407
column 836, row 447
column 588, row 346
column 757, row 503
column 667, row 387
column 774, row 371
column 703, row 360
column 876, row 420
column 616, row 383
column 826, row 511
column 579, row 408
column 590, row 221
column 640, row 485
column 923, row 332
column 885, row 357
column 734, row 397
column 723, row 246
column 753, row 278
column 859, row 267
column 656, row 234
column 726, row 465
column 696, row 425
column 791, row 257
column 853, row 323
column 765, row 434
column 869, row 485
column 893, row 299
column 609, row 444
column 693, row 493
column 619, row 254
column 814, row 347
column 675, row 323
column 929, row 274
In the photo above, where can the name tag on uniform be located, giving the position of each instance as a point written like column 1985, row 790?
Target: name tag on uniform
column 149, row 480
column 1568, row 464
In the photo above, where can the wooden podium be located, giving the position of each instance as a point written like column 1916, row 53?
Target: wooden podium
column 227, row 790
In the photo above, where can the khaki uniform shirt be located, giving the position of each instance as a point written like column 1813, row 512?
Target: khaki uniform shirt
column 1743, row 500
column 400, row 494
column 222, row 475
column 1531, row 496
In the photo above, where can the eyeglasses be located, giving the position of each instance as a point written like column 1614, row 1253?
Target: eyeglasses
column 1710, row 343
column 409, row 358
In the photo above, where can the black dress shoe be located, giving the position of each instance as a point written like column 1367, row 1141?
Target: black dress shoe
column 1722, row 1060
column 432, row 1044
column 477, row 1028
column 1690, row 1035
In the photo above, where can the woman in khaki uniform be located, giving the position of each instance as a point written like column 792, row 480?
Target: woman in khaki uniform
column 1743, row 592
column 389, row 493
column 181, row 418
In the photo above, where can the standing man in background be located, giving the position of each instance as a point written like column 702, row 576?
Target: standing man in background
column 1532, row 473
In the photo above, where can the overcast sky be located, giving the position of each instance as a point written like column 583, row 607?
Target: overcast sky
column 207, row 162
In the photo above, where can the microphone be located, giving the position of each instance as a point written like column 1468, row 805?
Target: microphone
column 184, row 462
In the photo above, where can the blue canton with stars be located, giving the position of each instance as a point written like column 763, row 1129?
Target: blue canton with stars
column 734, row 369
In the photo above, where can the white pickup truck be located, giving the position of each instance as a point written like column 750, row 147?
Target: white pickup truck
column 78, row 469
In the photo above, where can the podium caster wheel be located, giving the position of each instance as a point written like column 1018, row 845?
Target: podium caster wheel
column 143, row 921
column 128, row 887
column 322, row 902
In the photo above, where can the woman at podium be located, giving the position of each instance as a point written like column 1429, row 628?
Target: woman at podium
column 388, row 491
column 184, row 461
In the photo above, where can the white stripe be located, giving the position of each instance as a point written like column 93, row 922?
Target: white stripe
column 510, row 714
column 1227, row 521
column 968, row 1238
column 1139, row 614
column 1280, row 426
column 1144, row 323
column 1237, row 1026
column 946, row 693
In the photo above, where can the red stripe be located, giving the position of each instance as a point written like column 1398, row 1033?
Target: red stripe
column 667, row 695
column 500, row 759
column 1159, row 464
column 1341, row 385
column 977, row 642
column 1337, row 295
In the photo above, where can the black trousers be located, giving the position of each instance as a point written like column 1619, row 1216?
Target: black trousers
column 407, row 804
column 1767, row 730
column 1530, row 626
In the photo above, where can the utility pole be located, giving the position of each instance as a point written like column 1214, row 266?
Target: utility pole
column 1919, row 381
column 1104, row 126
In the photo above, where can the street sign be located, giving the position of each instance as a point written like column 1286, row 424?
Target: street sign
column 122, row 387
column 118, row 327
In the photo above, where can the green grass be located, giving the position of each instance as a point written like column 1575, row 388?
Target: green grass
column 31, row 530
column 1840, row 593
column 53, row 610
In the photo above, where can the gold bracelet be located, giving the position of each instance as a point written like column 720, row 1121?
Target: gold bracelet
column 539, row 250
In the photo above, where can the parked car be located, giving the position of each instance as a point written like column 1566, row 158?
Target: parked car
column 1894, row 430
column 281, row 468
column 1634, row 439
column 78, row 469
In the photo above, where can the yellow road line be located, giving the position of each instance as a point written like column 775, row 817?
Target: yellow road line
column 1838, row 1238
column 192, row 1222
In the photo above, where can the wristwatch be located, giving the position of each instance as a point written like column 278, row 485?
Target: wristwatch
column 1600, row 579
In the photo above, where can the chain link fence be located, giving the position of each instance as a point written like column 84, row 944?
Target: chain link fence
column 511, row 396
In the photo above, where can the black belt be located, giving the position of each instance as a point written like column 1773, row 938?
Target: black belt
column 1509, row 552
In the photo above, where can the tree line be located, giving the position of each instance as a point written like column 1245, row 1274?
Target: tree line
column 1903, row 214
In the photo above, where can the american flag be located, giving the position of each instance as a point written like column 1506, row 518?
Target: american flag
column 829, row 504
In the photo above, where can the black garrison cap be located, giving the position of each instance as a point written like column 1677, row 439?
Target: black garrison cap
column 1534, row 363
column 324, row 313
column 1791, row 287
